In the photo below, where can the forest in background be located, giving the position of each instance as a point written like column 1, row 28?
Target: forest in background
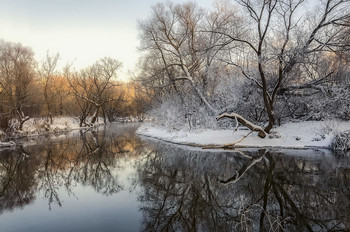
column 31, row 88
column 265, row 61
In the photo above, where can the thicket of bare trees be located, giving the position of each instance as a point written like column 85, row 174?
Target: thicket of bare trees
column 16, row 76
column 260, row 59
column 94, row 87
column 29, row 88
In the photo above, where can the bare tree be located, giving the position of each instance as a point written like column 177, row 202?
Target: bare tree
column 16, row 73
column 177, row 52
column 182, row 46
column 84, row 107
column 47, row 73
column 93, row 86
column 273, row 34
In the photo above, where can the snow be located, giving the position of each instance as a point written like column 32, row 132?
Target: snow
column 35, row 125
column 39, row 126
column 297, row 135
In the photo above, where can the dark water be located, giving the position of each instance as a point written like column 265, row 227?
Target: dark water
column 112, row 180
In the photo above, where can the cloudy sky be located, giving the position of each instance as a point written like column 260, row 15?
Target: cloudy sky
column 82, row 31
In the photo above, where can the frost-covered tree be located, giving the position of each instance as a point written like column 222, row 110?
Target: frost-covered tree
column 283, row 52
column 179, row 51
column 281, row 44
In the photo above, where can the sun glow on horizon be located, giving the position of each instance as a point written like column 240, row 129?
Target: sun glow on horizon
column 81, row 31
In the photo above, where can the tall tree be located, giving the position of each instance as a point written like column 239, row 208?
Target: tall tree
column 93, row 86
column 47, row 74
column 274, row 34
column 16, row 73
column 178, row 49
column 182, row 46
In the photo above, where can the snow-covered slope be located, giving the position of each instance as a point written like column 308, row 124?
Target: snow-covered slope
column 290, row 135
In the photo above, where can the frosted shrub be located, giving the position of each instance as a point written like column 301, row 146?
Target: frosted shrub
column 239, row 96
column 13, row 125
column 42, row 126
column 174, row 115
column 332, row 102
column 228, row 95
column 169, row 114
column 341, row 143
column 202, row 119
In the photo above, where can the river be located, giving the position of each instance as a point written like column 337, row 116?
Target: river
column 110, row 179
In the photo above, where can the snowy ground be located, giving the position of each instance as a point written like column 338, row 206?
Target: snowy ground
column 39, row 126
column 297, row 135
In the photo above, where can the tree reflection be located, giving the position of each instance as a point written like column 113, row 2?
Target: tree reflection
column 17, row 179
column 185, row 190
column 90, row 159
column 181, row 193
column 202, row 191
column 96, row 161
column 51, row 172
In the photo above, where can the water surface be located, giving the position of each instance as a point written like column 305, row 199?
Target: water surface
column 109, row 179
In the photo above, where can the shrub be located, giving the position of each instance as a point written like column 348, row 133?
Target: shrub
column 341, row 143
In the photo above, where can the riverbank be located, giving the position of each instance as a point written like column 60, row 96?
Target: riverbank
column 295, row 135
column 41, row 126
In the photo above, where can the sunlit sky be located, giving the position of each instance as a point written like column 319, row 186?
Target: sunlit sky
column 81, row 31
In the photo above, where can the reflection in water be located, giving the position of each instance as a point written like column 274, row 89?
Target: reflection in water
column 202, row 191
column 180, row 189
column 17, row 182
column 88, row 159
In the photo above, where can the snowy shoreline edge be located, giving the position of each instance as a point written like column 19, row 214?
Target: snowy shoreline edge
column 292, row 135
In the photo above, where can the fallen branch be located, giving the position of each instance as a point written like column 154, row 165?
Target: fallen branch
column 244, row 122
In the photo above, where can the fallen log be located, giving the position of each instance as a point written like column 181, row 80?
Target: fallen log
column 244, row 122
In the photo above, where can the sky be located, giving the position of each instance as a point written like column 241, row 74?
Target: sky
column 81, row 31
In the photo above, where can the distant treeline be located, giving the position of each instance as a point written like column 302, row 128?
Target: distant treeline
column 29, row 88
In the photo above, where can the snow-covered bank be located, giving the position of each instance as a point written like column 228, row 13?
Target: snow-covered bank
column 40, row 126
column 298, row 135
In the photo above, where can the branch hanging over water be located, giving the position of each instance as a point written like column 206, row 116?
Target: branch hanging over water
column 244, row 122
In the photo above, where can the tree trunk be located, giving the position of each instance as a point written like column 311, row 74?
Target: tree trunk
column 104, row 115
column 271, row 123
column 81, row 120
column 93, row 120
